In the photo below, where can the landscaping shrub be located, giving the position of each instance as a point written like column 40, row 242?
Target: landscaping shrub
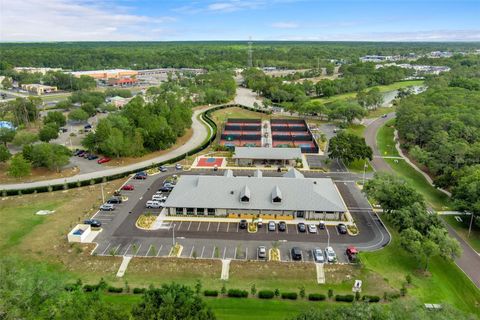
column 90, row 287
column 344, row 298
column 71, row 287
column 371, row 298
column 316, row 297
column 266, row 294
column 237, row 293
column 114, row 289
column 210, row 293
column 392, row 296
column 289, row 295
column 139, row 290
column 330, row 293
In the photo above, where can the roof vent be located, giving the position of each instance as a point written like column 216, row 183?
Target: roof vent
column 231, row 192
column 314, row 182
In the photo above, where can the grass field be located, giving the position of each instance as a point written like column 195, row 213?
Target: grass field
column 390, row 87
column 446, row 283
column 437, row 199
column 220, row 116
column 462, row 230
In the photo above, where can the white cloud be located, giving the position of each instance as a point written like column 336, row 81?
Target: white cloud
column 73, row 20
column 284, row 25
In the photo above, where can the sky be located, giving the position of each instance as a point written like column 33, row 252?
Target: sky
column 302, row 20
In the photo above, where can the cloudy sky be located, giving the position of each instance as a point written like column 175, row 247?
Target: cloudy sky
column 165, row 20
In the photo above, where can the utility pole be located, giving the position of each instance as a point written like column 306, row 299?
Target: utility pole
column 250, row 53
column 173, row 235
column 470, row 227
column 103, row 195
column 364, row 169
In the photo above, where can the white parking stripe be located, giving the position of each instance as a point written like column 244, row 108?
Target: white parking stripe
column 116, row 249
column 208, row 227
column 106, row 248
column 189, row 225
column 149, row 248
column 126, row 250
column 286, row 228
column 218, row 226
column 203, row 249
column 246, row 253
column 179, row 225
column 235, row 253
column 228, row 226
column 158, row 253
column 138, row 250
column 224, row 251
column 213, row 252
column 238, row 226
column 191, row 251
column 199, row 224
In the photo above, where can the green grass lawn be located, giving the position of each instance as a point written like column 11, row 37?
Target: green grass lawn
column 356, row 129
column 380, row 111
column 357, row 166
column 220, row 116
column 437, row 199
column 390, row 87
column 445, row 284
column 462, row 230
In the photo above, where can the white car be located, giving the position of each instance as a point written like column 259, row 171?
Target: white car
column 330, row 254
column 153, row 204
column 312, row 228
column 107, row 207
column 159, row 198
column 178, row 166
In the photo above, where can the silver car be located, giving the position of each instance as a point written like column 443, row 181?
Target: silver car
column 317, row 254
column 262, row 252
column 107, row 207
column 330, row 254
column 271, row 226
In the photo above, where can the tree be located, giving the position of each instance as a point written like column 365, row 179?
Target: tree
column 6, row 135
column 7, row 83
column 346, row 111
column 349, row 147
column 48, row 155
column 171, row 302
column 48, row 132
column 418, row 245
column 19, row 166
column 55, row 117
column 466, row 194
column 4, row 153
column 78, row 115
column 24, row 137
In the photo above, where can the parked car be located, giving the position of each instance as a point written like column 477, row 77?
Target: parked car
column 352, row 254
column 178, row 166
column 87, row 126
column 81, row 153
column 242, row 224
column 259, row 222
column 153, row 204
column 282, row 226
column 93, row 223
column 78, row 152
column 165, row 189
column 103, row 160
column 168, row 185
column 63, row 130
column 296, row 253
column 92, row 157
column 262, row 252
column 318, row 255
column 128, row 187
column 162, row 169
column 342, row 229
column 330, row 254
column 321, row 225
column 140, row 175
column 272, row 226
column 384, row 115
column 107, row 207
column 312, row 228
column 159, row 198
column 114, row 200
column 301, row 227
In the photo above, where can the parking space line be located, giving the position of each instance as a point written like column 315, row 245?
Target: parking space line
column 218, row 226
column 179, row 225
column 149, row 248
column 246, row 253
column 296, row 230
column 199, row 224
column 189, row 225
column 235, row 253
column 224, row 251
column 127, row 249
column 228, row 226
column 213, row 251
column 191, row 251
column 158, row 253
column 208, row 227
column 336, row 230
column 138, row 250
column 286, row 229
column 106, row 248
column 203, row 249
column 116, row 249
column 238, row 226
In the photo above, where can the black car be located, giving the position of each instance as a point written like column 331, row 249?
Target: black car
column 296, row 253
column 93, row 223
column 142, row 175
column 301, row 227
column 282, row 226
column 165, row 189
column 80, row 153
column 342, row 229
column 321, row 225
column 243, row 224
column 87, row 126
column 92, row 157
column 114, row 200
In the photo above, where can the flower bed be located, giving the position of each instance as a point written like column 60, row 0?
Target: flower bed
column 145, row 221
column 352, row 230
column 252, row 227
column 153, row 171
column 176, row 250
column 274, row 254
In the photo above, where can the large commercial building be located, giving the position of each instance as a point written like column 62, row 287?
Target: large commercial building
column 107, row 74
column 36, row 70
column 287, row 197
column 39, row 89
column 247, row 156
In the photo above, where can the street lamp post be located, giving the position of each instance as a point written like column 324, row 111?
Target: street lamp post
column 328, row 236
column 364, row 171
column 103, row 194
column 173, row 235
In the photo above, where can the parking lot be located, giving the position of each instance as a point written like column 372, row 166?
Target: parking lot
column 226, row 240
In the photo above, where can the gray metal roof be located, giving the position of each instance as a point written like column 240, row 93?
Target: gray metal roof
column 293, row 173
column 312, row 194
column 267, row 153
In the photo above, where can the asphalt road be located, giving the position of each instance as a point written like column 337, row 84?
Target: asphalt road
column 378, row 163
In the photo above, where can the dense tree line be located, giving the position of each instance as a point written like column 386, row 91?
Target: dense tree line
column 421, row 233
column 212, row 55
column 61, row 80
column 141, row 126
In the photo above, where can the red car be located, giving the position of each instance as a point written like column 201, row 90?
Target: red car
column 103, row 160
column 128, row 187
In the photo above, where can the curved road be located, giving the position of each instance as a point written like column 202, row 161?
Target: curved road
column 469, row 261
column 200, row 133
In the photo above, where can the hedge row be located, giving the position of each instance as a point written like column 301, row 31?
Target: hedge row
column 289, row 295
column 115, row 289
column 266, row 294
column 345, row 298
column 237, row 293
column 371, row 298
column 316, row 297
column 139, row 290
column 210, row 293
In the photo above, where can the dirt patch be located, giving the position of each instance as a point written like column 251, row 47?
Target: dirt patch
column 129, row 160
column 37, row 174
